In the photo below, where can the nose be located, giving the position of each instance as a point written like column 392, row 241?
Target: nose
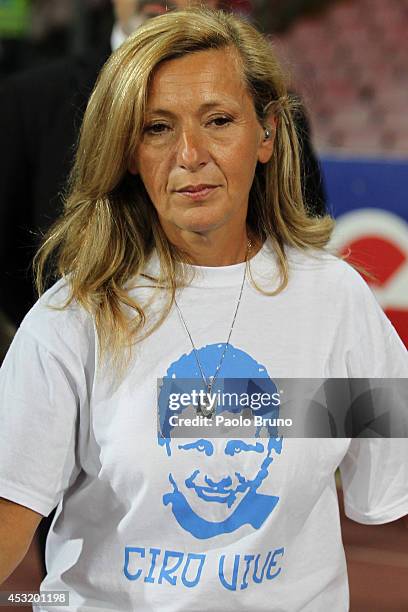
column 192, row 151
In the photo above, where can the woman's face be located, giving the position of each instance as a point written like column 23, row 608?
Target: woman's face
column 201, row 143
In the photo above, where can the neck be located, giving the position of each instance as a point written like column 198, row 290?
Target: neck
column 215, row 251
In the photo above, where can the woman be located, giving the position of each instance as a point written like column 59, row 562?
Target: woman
column 186, row 252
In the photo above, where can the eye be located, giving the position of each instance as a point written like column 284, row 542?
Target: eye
column 203, row 446
column 220, row 121
column 234, row 447
column 156, row 128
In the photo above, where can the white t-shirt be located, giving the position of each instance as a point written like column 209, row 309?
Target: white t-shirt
column 140, row 526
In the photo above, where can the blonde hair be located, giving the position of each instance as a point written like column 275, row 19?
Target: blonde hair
column 109, row 227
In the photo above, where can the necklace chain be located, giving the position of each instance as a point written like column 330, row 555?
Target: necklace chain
column 211, row 380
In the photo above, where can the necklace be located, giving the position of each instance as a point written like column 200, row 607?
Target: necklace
column 206, row 407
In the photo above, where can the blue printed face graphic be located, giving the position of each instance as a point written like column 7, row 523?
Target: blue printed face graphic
column 214, row 481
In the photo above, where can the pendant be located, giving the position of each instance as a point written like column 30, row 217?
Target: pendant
column 206, row 408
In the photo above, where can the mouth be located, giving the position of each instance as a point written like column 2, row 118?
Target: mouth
column 197, row 192
column 211, row 494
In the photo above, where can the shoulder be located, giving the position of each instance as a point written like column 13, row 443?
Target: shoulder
column 321, row 260
column 314, row 272
column 348, row 310
column 65, row 331
column 327, row 270
column 333, row 277
column 333, row 285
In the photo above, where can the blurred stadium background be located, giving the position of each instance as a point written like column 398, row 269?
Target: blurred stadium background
column 349, row 61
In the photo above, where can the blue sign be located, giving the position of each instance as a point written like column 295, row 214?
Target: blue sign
column 366, row 183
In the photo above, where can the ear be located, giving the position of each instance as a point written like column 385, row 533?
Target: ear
column 266, row 145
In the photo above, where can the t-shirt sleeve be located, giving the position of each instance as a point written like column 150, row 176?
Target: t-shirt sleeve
column 38, row 421
column 374, row 476
column 374, row 471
